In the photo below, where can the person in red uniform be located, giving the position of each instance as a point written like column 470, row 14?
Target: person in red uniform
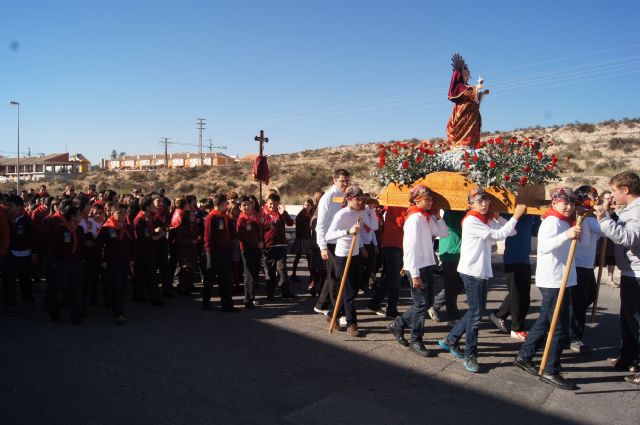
column 161, row 221
column 145, row 267
column 17, row 263
column 274, row 219
column 115, row 245
column 248, row 229
column 303, row 243
column 217, row 244
column 66, row 256
column 183, row 241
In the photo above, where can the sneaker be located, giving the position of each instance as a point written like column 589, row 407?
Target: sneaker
column 471, row 364
column 453, row 349
column 379, row 311
column 558, row 381
column 398, row 333
column 519, row 335
column 342, row 321
column 579, row 347
column 433, row 313
column 320, row 311
column 499, row 323
column 526, row 365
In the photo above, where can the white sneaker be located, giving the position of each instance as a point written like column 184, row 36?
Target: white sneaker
column 320, row 311
column 342, row 322
column 433, row 313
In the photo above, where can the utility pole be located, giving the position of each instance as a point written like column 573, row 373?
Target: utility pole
column 217, row 147
column 201, row 127
column 165, row 142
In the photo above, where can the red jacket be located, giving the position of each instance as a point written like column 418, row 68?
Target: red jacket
column 218, row 231
column 303, row 225
column 393, row 232
column 22, row 237
column 115, row 242
column 273, row 226
column 49, row 223
column 67, row 245
column 248, row 229
column 143, row 228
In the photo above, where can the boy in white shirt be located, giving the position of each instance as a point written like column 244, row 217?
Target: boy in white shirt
column 420, row 227
column 554, row 241
column 479, row 232
column 343, row 229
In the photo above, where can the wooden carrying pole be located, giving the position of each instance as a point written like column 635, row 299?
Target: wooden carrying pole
column 556, row 312
column 603, row 253
column 336, row 308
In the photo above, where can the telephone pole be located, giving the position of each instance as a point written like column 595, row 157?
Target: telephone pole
column 201, row 127
column 217, row 147
column 165, row 142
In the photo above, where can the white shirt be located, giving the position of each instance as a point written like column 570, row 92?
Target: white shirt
column 417, row 244
column 369, row 218
column 327, row 208
column 476, row 241
column 553, row 252
column 90, row 226
column 342, row 222
column 585, row 255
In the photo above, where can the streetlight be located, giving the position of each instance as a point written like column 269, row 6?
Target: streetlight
column 17, row 104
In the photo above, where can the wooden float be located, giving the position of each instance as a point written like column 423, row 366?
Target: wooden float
column 450, row 191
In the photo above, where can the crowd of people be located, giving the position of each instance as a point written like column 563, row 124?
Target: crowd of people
column 88, row 246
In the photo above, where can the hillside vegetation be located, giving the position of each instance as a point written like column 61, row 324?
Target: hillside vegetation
column 590, row 154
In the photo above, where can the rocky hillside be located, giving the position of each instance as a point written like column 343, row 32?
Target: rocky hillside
column 595, row 152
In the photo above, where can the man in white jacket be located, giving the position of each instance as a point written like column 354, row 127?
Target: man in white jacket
column 625, row 233
column 479, row 232
column 420, row 227
column 554, row 241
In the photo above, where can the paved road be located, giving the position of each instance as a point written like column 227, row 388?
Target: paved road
column 278, row 365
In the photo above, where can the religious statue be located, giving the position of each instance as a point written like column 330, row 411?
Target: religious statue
column 463, row 128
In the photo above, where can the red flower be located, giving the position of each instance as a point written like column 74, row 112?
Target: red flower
column 526, row 168
column 474, row 158
column 382, row 157
column 490, row 141
column 507, row 177
column 380, row 146
column 419, row 159
column 479, row 145
column 403, row 145
column 431, row 152
column 551, row 167
column 466, row 164
column 498, row 140
column 492, row 164
column 523, row 180
column 539, row 155
column 551, row 142
column 395, row 151
column 504, row 149
column 513, row 140
column 405, row 164
column 466, row 155
column 554, row 159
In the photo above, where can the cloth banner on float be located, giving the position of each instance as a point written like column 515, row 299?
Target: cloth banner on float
column 261, row 169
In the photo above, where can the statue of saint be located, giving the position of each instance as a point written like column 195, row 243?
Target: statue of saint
column 463, row 128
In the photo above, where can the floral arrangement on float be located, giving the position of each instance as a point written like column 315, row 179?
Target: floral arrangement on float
column 511, row 163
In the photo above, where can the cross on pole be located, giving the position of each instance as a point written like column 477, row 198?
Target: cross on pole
column 262, row 140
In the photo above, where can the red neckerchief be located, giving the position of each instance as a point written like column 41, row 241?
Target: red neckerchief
column 214, row 212
column 40, row 209
column 552, row 212
column 417, row 210
column 149, row 224
column 74, row 236
column 176, row 219
column 483, row 218
column 244, row 216
column 112, row 223
column 271, row 217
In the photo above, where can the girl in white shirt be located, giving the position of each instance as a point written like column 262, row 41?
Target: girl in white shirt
column 479, row 232
column 343, row 228
column 420, row 227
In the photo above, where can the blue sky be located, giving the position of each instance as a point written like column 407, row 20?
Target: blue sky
column 95, row 76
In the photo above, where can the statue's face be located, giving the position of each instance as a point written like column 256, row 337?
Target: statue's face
column 466, row 75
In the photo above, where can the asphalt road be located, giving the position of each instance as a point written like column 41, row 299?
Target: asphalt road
column 178, row 364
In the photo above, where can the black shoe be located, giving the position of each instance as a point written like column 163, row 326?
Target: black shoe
column 391, row 314
column 250, row 306
column 398, row 333
column 498, row 322
column 230, row 310
column 558, row 381
column 419, row 348
column 524, row 364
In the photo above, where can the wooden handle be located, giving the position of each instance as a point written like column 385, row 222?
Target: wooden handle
column 556, row 312
column 345, row 274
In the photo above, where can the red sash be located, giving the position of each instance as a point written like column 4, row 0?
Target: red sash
column 483, row 218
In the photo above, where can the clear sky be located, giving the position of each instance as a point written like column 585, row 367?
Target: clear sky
column 95, row 76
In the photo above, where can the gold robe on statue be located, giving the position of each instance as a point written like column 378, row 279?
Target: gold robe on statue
column 463, row 128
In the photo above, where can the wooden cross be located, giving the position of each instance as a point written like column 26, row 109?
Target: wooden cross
column 262, row 140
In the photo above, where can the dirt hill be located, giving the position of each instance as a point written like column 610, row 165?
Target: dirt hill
column 597, row 151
